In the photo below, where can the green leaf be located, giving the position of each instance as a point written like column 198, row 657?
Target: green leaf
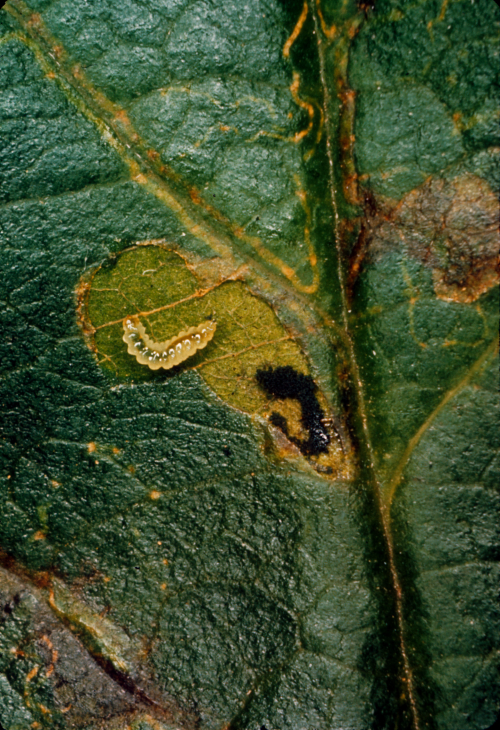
column 297, row 526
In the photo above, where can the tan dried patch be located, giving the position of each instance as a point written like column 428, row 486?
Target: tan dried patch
column 452, row 226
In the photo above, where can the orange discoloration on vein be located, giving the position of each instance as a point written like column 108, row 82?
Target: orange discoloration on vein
column 160, row 191
column 287, row 271
column 439, row 18
column 333, row 131
column 47, row 641
column 347, row 139
column 116, row 129
column 195, row 196
column 347, row 114
column 294, row 88
column 474, row 370
column 197, row 295
column 444, row 7
column 296, row 31
column 35, row 20
column 321, row 125
column 54, row 655
column 414, row 296
column 313, row 259
column 122, row 117
column 329, row 32
column 32, row 673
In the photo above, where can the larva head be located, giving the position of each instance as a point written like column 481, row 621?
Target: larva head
column 130, row 324
column 207, row 329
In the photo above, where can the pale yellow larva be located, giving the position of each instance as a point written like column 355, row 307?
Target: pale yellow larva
column 166, row 354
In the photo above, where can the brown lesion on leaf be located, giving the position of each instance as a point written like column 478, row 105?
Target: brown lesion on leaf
column 69, row 667
column 451, row 226
column 368, row 228
column 457, row 225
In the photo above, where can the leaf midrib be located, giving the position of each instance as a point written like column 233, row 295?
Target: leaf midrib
column 362, row 421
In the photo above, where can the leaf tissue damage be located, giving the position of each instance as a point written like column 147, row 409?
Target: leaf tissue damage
column 285, row 382
column 450, row 225
column 160, row 288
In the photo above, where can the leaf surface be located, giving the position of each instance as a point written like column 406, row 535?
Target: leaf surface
column 297, row 526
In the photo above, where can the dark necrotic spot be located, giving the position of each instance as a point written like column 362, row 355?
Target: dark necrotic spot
column 285, row 382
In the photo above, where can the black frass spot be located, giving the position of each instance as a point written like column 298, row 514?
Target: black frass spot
column 285, row 382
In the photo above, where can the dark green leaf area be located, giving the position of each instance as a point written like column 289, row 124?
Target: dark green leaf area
column 234, row 141
column 82, row 229
column 129, row 49
column 413, row 347
column 50, row 448
column 274, row 620
column 453, row 48
column 447, row 527
column 156, row 500
column 427, row 75
column 207, row 87
column 7, row 24
column 403, row 135
column 47, row 147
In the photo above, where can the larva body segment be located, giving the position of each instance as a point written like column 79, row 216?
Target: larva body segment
column 166, row 354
